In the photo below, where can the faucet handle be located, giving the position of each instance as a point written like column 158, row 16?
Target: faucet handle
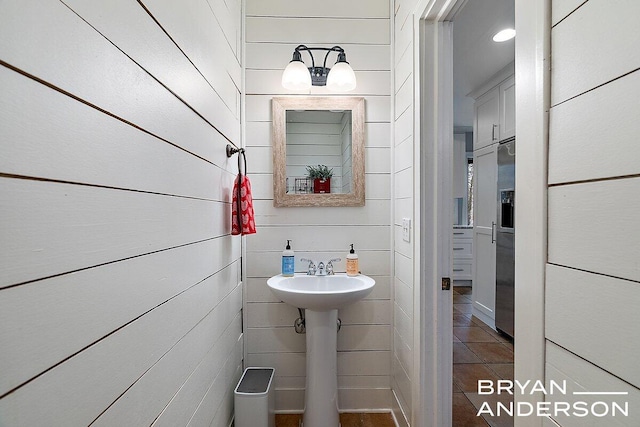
column 330, row 265
column 312, row 267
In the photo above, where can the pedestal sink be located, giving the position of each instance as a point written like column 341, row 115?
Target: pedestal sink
column 321, row 297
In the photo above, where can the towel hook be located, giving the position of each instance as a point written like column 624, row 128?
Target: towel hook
column 231, row 150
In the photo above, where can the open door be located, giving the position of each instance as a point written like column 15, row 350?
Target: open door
column 436, row 208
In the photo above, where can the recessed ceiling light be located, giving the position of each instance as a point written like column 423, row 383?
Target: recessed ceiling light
column 504, row 35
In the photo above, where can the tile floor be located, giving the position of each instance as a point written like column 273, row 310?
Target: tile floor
column 479, row 352
column 346, row 420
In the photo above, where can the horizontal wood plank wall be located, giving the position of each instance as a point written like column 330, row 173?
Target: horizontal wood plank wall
column 311, row 143
column 593, row 277
column 120, row 286
column 403, row 375
column 273, row 30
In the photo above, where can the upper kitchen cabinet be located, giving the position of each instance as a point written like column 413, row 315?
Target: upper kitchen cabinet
column 507, row 92
column 486, row 119
column 495, row 110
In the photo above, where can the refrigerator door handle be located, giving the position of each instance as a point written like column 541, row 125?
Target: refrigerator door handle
column 493, row 226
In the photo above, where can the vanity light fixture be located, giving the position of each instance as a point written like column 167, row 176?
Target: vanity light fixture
column 297, row 76
column 504, row 35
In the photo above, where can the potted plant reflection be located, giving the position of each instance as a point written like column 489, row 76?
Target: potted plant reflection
column 321, row 176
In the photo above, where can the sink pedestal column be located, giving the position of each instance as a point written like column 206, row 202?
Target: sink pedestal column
column 321, row 393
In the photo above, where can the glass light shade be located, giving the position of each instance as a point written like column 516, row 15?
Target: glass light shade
column 341, row 78
column 296, row 76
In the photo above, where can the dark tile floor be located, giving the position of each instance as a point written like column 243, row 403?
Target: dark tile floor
column 479, row 353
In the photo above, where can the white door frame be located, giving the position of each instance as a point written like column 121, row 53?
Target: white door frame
column 433, row 132
column 433, row 164
column 435, row 240
column 533, row 64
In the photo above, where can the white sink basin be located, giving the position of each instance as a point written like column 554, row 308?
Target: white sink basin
column 321, row 293
column 321, row 296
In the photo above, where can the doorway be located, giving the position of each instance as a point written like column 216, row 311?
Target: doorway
column 483, row 80
column 432, row 50
column 436, row 130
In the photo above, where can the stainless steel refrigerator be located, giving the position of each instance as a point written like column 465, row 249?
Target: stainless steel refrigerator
column 505, row 233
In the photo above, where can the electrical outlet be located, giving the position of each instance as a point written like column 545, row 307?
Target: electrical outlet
column 406, row 229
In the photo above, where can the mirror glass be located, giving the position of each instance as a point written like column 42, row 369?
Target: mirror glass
column 318, row 151
column 315, row 139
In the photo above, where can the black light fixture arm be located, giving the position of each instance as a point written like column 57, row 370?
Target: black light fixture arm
column 319, row 74
column 341, row 54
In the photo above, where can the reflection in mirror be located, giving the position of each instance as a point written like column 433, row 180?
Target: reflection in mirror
column 318, row 138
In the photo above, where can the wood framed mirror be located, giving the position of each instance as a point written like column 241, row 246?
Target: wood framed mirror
column 312, row 135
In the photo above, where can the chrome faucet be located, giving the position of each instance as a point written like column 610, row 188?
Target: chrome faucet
column 321, row 270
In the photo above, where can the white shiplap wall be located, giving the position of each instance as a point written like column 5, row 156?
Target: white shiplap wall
column 273, row 30
column 120, row 287
column 346, row 147
column 593, row 276
column 310, row 143
column 404, row 204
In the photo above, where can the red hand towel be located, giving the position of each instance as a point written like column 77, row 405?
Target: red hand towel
column 247, row 224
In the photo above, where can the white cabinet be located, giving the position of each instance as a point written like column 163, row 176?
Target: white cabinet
column 485, row 164
column 495, row 121
column 486, row 119
column 507, row 91
column 462, row 253
column 495, row 114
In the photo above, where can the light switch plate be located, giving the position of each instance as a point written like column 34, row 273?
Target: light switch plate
column 406, row 229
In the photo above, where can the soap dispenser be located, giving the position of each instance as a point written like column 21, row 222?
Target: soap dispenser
column 288, row 261
column 352, row 263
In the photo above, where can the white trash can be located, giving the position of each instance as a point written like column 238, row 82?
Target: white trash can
column 254, row 399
